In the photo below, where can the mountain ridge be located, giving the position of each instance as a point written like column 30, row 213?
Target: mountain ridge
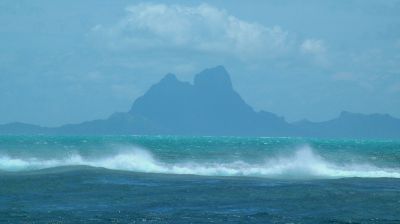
column 211, row 106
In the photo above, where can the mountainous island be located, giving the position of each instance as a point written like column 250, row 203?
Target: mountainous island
column 210, row 106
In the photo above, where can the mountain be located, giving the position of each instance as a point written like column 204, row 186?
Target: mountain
column 352, row 124
column 210, row 106
column 17, row 128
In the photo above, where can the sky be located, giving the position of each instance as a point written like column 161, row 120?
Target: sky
column 72, row 61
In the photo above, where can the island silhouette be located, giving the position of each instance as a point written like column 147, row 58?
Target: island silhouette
column 210, row 106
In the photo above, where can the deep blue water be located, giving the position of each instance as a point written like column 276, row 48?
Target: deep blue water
column 162, row 179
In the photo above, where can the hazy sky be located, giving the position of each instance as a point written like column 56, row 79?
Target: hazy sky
column 71, row 61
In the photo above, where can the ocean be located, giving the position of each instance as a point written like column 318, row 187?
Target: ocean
column 170, row 179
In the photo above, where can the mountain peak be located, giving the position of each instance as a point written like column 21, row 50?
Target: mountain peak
column 169, row 78
column 345, row 113
column 216, row 77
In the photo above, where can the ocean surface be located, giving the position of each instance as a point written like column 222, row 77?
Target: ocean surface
column 168, row 179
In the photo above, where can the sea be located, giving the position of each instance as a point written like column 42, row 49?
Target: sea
column 183, row 179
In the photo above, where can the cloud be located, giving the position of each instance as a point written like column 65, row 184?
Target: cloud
column 317, row 49
column 202, row 28
column 313, row 46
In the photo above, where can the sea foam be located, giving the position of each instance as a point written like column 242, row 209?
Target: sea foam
column 302, row 163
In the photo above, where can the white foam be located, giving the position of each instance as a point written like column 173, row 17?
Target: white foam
column 304, row 163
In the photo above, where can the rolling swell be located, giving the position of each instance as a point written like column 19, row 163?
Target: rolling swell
column 304, row 162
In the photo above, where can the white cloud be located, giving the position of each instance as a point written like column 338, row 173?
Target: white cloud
column 313, row 46
column 316, row 49
column 201, row 28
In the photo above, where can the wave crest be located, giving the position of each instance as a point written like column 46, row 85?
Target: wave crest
column 303, row 163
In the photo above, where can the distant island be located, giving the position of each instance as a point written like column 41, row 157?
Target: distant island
column 210, row 106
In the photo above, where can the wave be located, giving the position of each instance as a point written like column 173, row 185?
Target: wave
column 303, row 163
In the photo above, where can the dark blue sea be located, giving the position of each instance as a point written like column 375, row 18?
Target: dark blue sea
column 167, row 179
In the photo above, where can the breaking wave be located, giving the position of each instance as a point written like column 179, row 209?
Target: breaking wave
column 303, row 163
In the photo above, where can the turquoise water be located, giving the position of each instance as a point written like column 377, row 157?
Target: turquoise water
column 166, row 179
